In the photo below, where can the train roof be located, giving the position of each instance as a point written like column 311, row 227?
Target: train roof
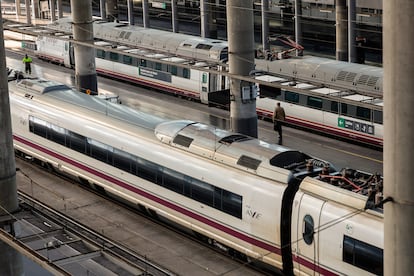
column 341, row 95
column 358, row 77
column 189, row 46
column 53, row 92
column 238, row 150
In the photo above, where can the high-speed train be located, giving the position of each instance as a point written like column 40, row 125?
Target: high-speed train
column 275, row 205
column 324, row 95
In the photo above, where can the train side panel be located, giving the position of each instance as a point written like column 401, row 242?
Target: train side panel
column 331, row 237
column 321, row 121
column 55, row 50
column 255, row 233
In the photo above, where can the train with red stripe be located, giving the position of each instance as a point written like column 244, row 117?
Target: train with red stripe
column 271, row 204
column 331, row 97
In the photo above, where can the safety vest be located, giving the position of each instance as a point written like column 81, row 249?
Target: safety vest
column 28, row 59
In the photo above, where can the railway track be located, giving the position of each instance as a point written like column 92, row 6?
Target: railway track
column 127, row 254
column 98, row 244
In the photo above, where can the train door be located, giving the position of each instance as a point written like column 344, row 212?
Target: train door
column 69, row 56
column 205, row 87
column 305, row 238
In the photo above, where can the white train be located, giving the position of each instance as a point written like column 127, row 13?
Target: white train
column 328, row 96
column 272, row 204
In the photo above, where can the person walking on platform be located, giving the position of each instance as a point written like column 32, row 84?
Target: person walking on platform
column 279, row 117
column 27, row 64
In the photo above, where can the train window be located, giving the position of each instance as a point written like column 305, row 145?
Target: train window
column 334, row 107
column 232, row 204
column 38, row 126
column 122, row 160
column 378, row 117
column 100, row 53
column 113, row 56
column 127, row 59
column 203, row 46
column 363, row 113
column 269, row 92
column 291, row 97
column 314, row 102
column 186, row 73
column 173, row 181
column 363, row 255
column 57, row 134
column 143, row 63
column 147, row 170
column 99, row 150
column 205, row 78
column 224, row 55
column 173, row 70
column 77, row 142
column 218, row 198
column 158, row 66
column 308, row 229
column 202, row 192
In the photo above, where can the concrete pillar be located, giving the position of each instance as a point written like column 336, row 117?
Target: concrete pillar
column 18, row 10
column 85, row 71
column 28, row 12
column 298, row 24
column 398, row 35
column 111, row 10
column 131, row 12
column 8, row 188
column 36, row 8
column 145, row 14
column 60, row 8
column 204, row 32
column 341, row 32
column 174, row 16
column 265, row 26
column 102, row 6
column 52, row 10
column 243, row 117
column 352, row 56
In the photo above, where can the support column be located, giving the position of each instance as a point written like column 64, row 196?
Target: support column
column 60, row 8
column 52, row 10
column 341, row 32
column 243, row 117
column 352, row 56
column 298, row 24
column 8, row 188
column 28, row 12
column 102, row 6
column 131, row 12
column 174, row 16
column 85, row 71
column 18, row 10
column 265, row 26
column 204, row 18
column 145, row 14
column 398, row 35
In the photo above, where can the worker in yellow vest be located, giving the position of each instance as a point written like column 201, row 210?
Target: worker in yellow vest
column 27, row 64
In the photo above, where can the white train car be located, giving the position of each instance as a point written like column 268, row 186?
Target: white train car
column 332, row 97
column 339, row 113
column 238, row 191
column 331, row 73
column 189, row 46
